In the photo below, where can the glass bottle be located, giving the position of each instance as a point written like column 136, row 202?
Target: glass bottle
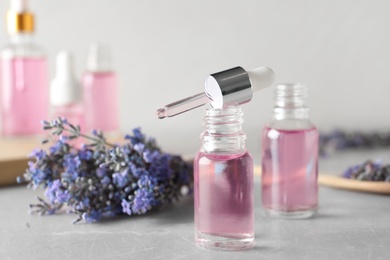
column 100, row 91
column 290, row 156
column 23, row 76
column 223, row 180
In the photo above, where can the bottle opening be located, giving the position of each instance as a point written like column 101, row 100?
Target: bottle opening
column 223, row 130
column 291, row 101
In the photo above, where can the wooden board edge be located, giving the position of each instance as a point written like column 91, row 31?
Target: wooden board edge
column 343, row 183
column 11, row 169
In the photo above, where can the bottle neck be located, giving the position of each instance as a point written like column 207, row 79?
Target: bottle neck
column 21, row 38
column 99, row 58
column 291, row 102
column 291, row 113
column 223, row 131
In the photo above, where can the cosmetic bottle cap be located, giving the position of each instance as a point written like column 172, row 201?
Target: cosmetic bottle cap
column 236, row 86
column 64, row 87
column 99, row 58
column 19, row 19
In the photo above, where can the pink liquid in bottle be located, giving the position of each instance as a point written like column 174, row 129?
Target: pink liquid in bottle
column 24, row 95
column 290, row 170
column 101, row 101
column 224, row 207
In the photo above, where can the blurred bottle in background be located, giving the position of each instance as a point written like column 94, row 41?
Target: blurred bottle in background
column 100, row 91
column 290, row 156
column 65, row 91
column 23, row 76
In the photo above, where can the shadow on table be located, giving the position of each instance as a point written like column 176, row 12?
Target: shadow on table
column 180, row 212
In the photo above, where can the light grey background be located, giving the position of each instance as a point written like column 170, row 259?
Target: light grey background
column 162, row 51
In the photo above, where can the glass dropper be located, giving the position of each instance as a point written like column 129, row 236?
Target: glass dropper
column 183, row 105
column 228, row 87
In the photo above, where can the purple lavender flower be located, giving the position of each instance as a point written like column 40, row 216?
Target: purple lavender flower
column 92, row 216
column 85, row 154
column 126, row 149
column 377, row 165
column 102, row 179
column 137, row 172
column 137, row 137
column 37, row 174
column 126, row 207
column 161, row 167
column 150, row 156
column 139, row 147
column 19, row 179
column 63, row 138
column 64, row 121
column 341, row 140
column 147, row 181
column 51, row 211
column 83, row 204
column 351, row 170
column 101, row 172
column 120, row 179
column 39, row 154
column 51, row 190
column 63, row 196
column 368, row 171
column 57, row 147
column 56, row 193
column 86, row 202
column 71, row 164
column 142, row 202
column 105, row 181
column 94, row 132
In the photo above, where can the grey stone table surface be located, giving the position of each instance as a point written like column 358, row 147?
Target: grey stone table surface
column 349, row 225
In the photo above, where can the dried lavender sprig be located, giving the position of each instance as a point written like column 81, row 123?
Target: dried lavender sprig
column 58, row 127
column 369, row 171
column 338, row 140
column 43, row 207
column 101, row 179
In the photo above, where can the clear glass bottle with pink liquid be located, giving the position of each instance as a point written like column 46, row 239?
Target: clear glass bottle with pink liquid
column 100, row 89
column 223, row 180
column 24, row 94
column 290, row 156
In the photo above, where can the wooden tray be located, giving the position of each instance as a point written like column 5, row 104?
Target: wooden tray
column 14, row 157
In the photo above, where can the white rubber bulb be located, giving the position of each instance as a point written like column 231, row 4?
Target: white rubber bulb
column 261, row 78
column 64, row 88
column 64, row 65
column 19, row 6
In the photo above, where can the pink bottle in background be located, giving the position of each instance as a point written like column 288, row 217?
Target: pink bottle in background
column 223, row 184
column 100, row 91
column 23, row 76
column 65, row 92
column 290, row 157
